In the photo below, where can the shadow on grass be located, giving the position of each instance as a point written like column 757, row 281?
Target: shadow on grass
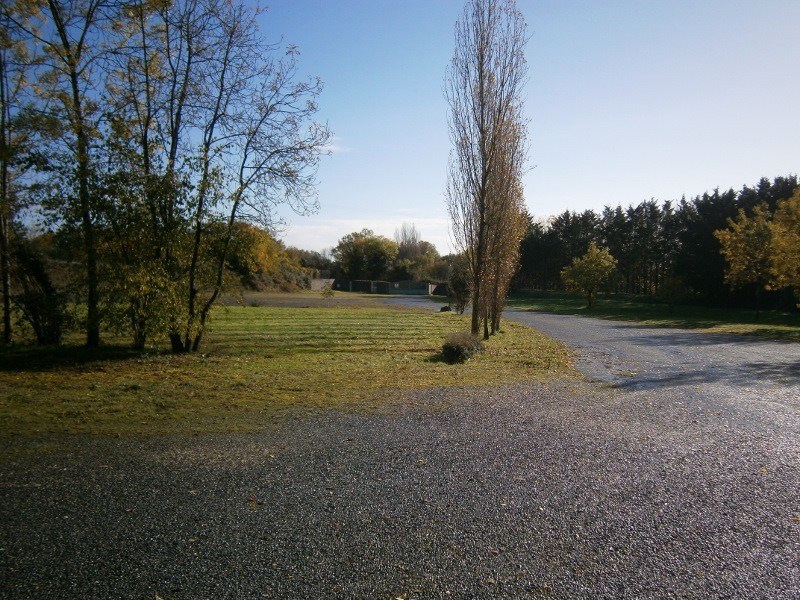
column 50, row 358
column 772, row 324
column 439, row 358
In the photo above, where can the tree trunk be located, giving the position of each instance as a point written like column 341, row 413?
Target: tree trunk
column 478, row 305
column 176, row 341
column 5, row 274
column 206, row 309
column 759, row 285
column 71, row 58
column 139, row 339
column 87, row 224
column 5, row 216
column 92, row 296
column 475, row 324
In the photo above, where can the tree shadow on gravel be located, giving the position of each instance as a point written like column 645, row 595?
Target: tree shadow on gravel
column 742, row 375
column 655, row 336
column 788, row 372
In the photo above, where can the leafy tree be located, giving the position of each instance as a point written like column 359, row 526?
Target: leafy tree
column 261, row 261
column 428, row 266
column 644, row 251
column 574, row 232
column 539, row 263
column 237, row 144
column 364, row 255
column 15, row 138
column 167, row 125
column 699, row 261
column 212, row 127
column 72, row 42
column 317, row 262
column 139, row 299
column 327, row 293
column 785, row 228
column 672, row 291
column 416, row 258
column 484, row 90
column 653, row 243
column 588, row 273
column 746, row 246
column 41, row 304
column 458, row 282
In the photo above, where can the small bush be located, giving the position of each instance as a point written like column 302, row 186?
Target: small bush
column 42, row 306
column 458, row 347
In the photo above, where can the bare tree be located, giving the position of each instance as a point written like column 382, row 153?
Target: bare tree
column 268, row 147
column 483, row 87
column 408, row 242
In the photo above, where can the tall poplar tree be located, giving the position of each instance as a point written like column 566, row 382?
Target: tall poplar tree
column 484, row 90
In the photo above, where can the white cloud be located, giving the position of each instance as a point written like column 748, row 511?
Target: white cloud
column 336, row 147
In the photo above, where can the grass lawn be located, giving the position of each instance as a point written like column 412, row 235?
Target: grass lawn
column 771, row 324
column 257, row 364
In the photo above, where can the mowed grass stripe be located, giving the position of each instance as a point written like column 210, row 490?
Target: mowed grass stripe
column 308, row 328
column 259, row 363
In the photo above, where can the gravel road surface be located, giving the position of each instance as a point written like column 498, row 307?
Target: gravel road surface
column 673, row 471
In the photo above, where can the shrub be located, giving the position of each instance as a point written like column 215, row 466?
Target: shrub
column 458, row 284
column 458, row 347
column 42, row 306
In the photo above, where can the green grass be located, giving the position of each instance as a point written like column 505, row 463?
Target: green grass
column 770, row 324
column 258, row 364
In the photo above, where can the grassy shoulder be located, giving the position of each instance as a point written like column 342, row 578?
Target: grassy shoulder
column 770, row 324
column 258, row 364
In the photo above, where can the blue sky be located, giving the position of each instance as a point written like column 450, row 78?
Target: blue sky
column 627, row 100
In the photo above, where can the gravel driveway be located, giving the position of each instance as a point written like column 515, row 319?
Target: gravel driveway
column 753, row 380
column 674, row 471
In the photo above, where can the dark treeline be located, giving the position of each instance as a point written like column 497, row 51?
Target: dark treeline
column 657, row 245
